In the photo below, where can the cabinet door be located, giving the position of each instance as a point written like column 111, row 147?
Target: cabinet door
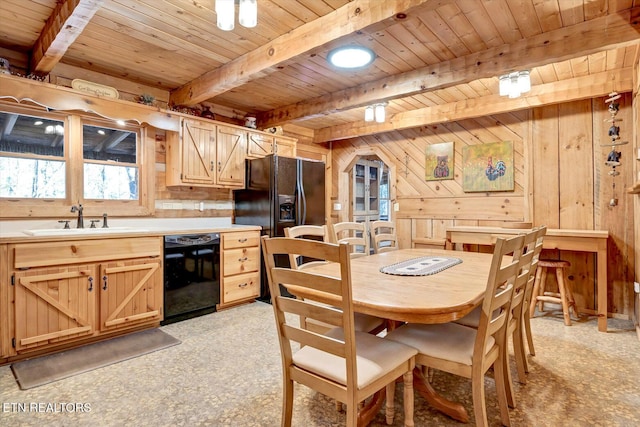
column 198, row 152
column 285, row 146
column 53, row 305
column 231, row 153
column 130, row 293
column 259, row 145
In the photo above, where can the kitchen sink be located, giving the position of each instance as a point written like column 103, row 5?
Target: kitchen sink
column 80, row 231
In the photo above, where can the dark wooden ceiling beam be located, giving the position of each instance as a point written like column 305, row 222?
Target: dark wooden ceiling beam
column 597, row 35
column 65, row 24
column 352, row 17
column 578, row 88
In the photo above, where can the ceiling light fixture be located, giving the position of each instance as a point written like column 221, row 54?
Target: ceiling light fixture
column 226, row 9
column 351, row 57
column 375, row 112
column 514, row 84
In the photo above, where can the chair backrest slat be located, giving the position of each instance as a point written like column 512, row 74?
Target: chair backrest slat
column 318, row 290
column 505, row 264
column 314, row 232
column 383, row 235
column 353, row 233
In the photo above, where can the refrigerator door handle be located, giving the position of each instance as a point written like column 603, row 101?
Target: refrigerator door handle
column 302, row 199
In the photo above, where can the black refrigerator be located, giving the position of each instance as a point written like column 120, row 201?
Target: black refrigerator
column 281, row 192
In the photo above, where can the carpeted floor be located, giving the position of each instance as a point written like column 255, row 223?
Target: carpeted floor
column 226, row 372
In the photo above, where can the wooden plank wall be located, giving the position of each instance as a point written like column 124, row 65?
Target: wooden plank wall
column 560, row 181
column 636, row 197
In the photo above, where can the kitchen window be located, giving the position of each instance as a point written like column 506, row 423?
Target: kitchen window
column 110, row 163
column 50, row 161
column 32, row 162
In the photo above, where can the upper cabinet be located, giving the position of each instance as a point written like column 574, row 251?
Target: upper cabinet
column 230, row 152
column 285, row 146
column 206, row 154
column 263, row 144
column 210, row 154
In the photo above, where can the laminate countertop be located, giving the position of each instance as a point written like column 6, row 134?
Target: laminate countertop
column 35, row 231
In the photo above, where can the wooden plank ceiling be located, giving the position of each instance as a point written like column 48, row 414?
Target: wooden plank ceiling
column 437, row 60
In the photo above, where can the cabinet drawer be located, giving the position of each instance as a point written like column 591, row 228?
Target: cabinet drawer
column 240, row 240
column 26, row 255
column 242, row 286
column 241, row 260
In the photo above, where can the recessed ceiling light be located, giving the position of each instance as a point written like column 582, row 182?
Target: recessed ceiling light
column 351, row 57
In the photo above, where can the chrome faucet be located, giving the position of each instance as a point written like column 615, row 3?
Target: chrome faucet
column 78, row 209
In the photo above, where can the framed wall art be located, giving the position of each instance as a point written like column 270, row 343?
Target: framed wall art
column 488, row 167
column 439, row 161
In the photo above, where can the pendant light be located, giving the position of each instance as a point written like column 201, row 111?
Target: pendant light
column 248, row 14
column 514, row 84
column 225, row 14
column 375, row 112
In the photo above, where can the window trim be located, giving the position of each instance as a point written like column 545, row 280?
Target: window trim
column 12, row 208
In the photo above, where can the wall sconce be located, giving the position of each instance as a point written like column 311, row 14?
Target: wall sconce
column 225, row 12
column 514, row 84
column 375, row 112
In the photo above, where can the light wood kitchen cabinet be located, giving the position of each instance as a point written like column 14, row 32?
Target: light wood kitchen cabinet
column 285, row 146
column 259, row 145
column 130, row 293
column 81, row 289
column 206, row 154
column 240, row 267
column 53, row 305
column 231, row 153
column 262, row 144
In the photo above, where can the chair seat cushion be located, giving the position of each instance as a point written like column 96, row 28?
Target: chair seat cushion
column 447, row 341
column 472, row 319
column 366, row 323
column 375, row 357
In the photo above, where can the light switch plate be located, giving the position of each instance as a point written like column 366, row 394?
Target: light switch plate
column 636, row 287
column 337, row 207
column 396, row 207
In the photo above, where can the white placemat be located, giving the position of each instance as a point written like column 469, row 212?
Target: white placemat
column 421, row 266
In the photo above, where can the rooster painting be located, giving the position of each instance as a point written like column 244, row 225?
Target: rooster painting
column 488, row 167
column 494, row 173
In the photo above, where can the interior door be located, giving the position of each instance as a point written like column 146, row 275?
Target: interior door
column 130, row 293
column 53, row 305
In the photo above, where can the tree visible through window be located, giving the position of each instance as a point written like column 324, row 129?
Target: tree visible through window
column 110, row 163
column 32, row 161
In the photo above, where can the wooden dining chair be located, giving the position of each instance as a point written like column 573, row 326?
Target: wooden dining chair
column 363, row 322
column 314, row 232
column 344, row 364
column 516, row 323
column 355, row 234
column 470, row 352
column 383, row 236
column 536, row 248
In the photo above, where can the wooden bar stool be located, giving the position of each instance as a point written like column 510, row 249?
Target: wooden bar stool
column 563, row 297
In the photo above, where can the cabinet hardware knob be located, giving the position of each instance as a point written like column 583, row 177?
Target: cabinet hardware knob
column 90, row 283
column 243, row 259
column 243, row 285
column 219, row 166
column 104, row 282
column 242, row 240
column 212, row 166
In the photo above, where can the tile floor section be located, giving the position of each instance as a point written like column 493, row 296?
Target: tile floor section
column 227, row 370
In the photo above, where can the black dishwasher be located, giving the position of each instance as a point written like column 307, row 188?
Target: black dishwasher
column 191, row 276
